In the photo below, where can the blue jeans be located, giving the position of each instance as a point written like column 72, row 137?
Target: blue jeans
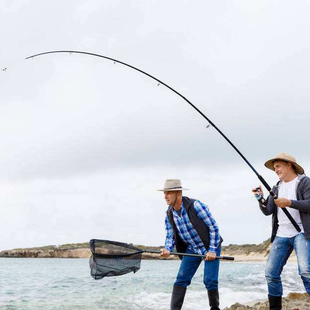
column 280, row 252
column 189, row 266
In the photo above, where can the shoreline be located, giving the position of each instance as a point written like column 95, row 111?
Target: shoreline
column 296, row 301
column 241, row 253
column 254, row 257
column 85, row 253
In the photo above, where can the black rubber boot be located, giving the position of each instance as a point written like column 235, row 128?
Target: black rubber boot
column 214, row 299
column 275, row 302
column 177, row 297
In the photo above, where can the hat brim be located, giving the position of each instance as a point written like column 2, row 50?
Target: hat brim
column 269, row 164
column 172, row 189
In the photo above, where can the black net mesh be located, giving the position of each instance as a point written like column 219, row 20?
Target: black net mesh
column 110, row 258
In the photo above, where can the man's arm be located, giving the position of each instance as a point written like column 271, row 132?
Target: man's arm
column 205, row 215
column 170, row 242
column 269, row 206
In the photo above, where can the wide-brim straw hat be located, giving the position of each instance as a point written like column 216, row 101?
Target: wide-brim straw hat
column 287, row 158
column 172, row 185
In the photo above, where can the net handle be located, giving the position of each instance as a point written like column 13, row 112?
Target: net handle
column 190, row 254
column 138, row 250
column 121, row 244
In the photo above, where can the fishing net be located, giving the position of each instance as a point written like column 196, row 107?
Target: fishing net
column 111, row 258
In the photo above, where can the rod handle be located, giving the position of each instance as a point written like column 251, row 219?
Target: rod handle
column 190, row 254
column 226, row 257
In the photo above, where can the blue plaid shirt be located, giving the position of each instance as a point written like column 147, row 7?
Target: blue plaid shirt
column 187, row 232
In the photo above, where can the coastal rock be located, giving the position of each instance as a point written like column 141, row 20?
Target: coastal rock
column 257, row 306
column 51, row 253
column 245, row 252
column 293, row 301
column 75, row 250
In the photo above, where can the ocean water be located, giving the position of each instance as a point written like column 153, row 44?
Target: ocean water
column 57, row 284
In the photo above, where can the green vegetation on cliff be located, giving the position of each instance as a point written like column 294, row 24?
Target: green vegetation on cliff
column 247, row 248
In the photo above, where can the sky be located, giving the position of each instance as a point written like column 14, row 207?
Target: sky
column 86, row 143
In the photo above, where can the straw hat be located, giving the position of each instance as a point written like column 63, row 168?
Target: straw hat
column 172, row 185
column 287, row 158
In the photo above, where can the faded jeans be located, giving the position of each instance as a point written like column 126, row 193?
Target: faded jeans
column 280, row 252
column 189, row 266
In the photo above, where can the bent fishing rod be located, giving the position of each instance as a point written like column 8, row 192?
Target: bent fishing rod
column 193, row 106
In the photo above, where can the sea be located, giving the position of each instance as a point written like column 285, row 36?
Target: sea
column 57, row 284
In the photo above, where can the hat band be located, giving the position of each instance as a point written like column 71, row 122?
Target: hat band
column 172, row 187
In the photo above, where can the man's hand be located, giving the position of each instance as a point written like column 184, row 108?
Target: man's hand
column 282, row 202
column 210, row 256
column 164, row 253
column 258, row 192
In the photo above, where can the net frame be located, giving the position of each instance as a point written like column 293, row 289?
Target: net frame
column 113, row 264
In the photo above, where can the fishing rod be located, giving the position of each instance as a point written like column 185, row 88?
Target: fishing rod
column 193, row 106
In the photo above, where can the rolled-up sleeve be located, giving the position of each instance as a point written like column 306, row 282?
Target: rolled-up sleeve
column 205, row 215
column 170, row 242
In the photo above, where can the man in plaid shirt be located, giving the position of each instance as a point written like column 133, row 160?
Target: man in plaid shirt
column 191, row 229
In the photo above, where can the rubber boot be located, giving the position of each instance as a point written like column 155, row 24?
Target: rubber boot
column 214, row 299
column 177, row 298
column 275, row 302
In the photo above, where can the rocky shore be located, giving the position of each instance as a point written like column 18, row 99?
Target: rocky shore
column 293, row 301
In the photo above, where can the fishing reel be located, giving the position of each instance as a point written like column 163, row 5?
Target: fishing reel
column 258, row 195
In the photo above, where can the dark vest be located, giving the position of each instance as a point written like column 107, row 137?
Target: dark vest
column 201, row 228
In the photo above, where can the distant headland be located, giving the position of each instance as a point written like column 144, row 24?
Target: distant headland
column 245, row 252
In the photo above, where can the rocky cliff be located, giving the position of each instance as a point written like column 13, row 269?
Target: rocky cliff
column 73, row 250
column 76, row 250
column 245, row 252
